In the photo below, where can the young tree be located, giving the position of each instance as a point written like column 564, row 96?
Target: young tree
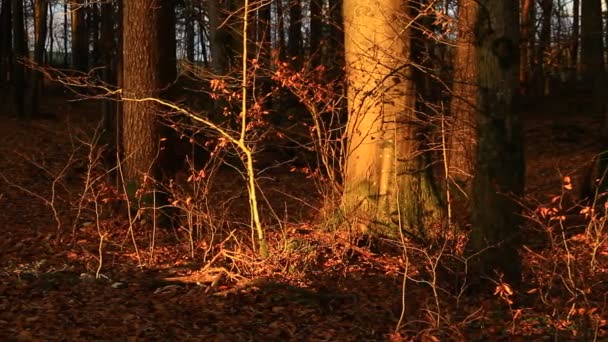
column 463, row 140
column 386, row 187
column 499, row 170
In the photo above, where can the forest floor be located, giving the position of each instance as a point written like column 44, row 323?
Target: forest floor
column 317, row 285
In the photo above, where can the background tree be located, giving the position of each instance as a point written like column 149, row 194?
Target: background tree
column 499, row 170
column 19, row 53
column 80, row 41
column 385, row 184
column 463, row 139
column 40, row 28
column 592, row 53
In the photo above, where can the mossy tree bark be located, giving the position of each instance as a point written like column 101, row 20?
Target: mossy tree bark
column 386, row 187
column 499, row 174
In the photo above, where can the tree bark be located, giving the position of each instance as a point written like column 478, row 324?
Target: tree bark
column 386, row 188
column 592, row 54
column 316, row 32
column 294, row 45
column 20, row 53
column 142, row 78
column 80, row 46
column 544, row 42
column 574, row 40
column 6, row 41
column 526, row 44
column 462, row 145
column 499, row 174
column 40, row 29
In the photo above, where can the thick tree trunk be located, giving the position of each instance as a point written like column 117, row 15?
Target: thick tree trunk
column 141, row 79
column 385, row 186
column 463, row 138
column 6, row 41
column 219, row 38
column 592, row 54
column 80, row 46
column 20, row 53
column 499, row 174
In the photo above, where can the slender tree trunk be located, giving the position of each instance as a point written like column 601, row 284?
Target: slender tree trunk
column 499, row 172
column 203, row 37
column 20, row 53
column 40, row 30
column 544, row 42
column 463, row 139
column 51, row 53
column 574, row 40
column 65, row 35
column 527, row 44
column 189, row 31
column 294, row 45
column 280, row 32
column 386, row 188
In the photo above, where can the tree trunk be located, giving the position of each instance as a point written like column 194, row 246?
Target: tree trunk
column 80, row 46
column 526, row 44
column 294, row 45
column 544, row 42
column 40, row 29
column 463, row 138
column 6, row 41
column 592, row 54
column 141, row 79
column 499, row 172
column 316, row 32
column 385, row 186
column 280, row 31
column 189, row 31
column 574, row 40
column 20, row 53
column 219, row 38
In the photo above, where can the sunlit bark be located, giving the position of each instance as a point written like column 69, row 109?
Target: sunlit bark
column 386, row 187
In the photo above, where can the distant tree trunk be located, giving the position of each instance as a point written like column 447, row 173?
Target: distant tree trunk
column 20, row 53
column 527, row 44
column 65, row 35
column 40, row 29
column 499, row 172
column 219, row 37
column 386, row 187
column 203, row 37
column 574, row 40
column 80, row 42
column 280, row 31
column 316, row 32
column 49, row 58
column 189, row 31
column 335, row 56
column 592, row 54
column 463, row 139
column 6, row 41
column 109, row 72
column 141, row 78
column 94, row 28
column 294, row 45
column 544, row 42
